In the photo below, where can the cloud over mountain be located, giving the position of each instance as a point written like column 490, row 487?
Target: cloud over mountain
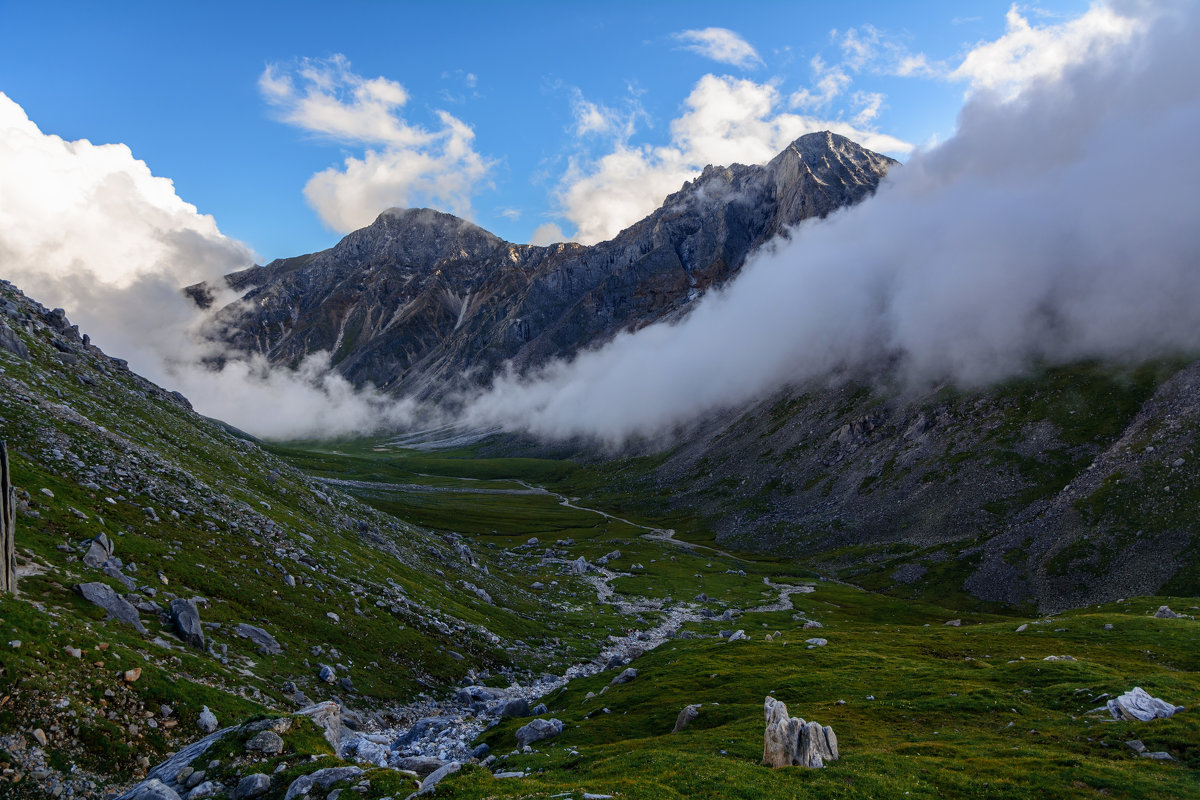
column 1057, row 224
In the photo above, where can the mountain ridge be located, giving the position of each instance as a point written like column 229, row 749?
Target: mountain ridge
column 419, row 299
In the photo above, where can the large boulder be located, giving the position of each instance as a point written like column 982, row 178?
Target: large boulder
column 101, row 594
column 433, row 778
column 153, row 789
column 186, row 619
column 792, row 742
column 321, row 779
column 537, row 730
column 686, row 717
column 627, row 676
column 516, row 707
column 99, row 551
column 1138, row 705
column 269, row 743
column 251, row 786
column 328, row 715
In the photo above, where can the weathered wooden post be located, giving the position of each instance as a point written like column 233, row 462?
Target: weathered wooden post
column 8, row 524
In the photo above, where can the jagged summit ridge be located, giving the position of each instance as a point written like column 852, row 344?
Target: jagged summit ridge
column 420, row 298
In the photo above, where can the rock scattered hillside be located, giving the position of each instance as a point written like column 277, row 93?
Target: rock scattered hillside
column 420, row 298
column 1074, row 485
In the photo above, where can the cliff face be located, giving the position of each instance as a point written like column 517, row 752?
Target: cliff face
column 420, row 302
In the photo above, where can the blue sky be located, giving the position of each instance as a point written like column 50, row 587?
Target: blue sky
column 210, row 96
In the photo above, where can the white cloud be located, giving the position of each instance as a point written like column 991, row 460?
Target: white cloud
column 547, row 233
column 1026, row 53
column 1040, row 233
column 89, row 228
column 830, row 82
column 595, row 119
column 725, row 120
column 720, row 44
column 404, row 164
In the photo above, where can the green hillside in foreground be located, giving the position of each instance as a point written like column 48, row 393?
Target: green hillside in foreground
column 393, row 553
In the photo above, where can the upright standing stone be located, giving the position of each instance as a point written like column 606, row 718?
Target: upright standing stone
column 8, row 527
column 792, row 742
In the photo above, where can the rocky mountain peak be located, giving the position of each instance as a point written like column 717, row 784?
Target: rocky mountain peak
column 420, row 298
column 415, row 237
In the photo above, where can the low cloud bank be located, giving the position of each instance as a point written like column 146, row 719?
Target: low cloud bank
column 1059, row 223
column 89, row 228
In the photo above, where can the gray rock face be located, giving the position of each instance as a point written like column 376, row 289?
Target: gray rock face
column 326, row 673
column 1165, row 612
column 792, row 742
column 251, row 786
column 473, row 300
column 12, row 343
column 186, row 619
column 537, row 730
column 1138, row 705
column 101, row 594
column 265, row 641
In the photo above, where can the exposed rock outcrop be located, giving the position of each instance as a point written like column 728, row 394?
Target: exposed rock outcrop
column 8, row 527
column 792, row 742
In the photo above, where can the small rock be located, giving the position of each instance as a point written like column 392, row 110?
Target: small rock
column 737, row 636
column 954, row 623
column 1022, row 627
column 327, row 673
column 40, row 735
column 816, row 642
column 1164, row 612
column 1136, row 745
column 812, row 624
column 132, row 675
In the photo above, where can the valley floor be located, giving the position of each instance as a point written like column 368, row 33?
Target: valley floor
column 921, row 708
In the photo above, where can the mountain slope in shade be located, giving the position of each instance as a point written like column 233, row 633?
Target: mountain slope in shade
column 419, row 298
